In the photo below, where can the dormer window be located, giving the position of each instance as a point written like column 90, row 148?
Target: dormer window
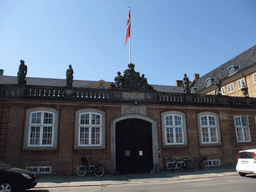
column 232, row 69
column 209, row 82
column 193, row 89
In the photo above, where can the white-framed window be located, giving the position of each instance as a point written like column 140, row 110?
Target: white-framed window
column 40, row 169
column 254, row 77
column 89, row 129
column 223, row 90
column 242, row 129
column 209, row 131
column 240, row 83
column 41, row 129
column 174, row 128
column 231, row 87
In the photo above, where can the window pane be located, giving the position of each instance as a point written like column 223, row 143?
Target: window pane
column 36, row 118
column 211, row 120
column 213, row 134
column 245, row 121
column 169, row 135
column 177, row 120
column 34, row 136
column 47, row 136
column 95, row 136
column 238, row 121
column 168, row 120
column 48, row 118
column 84, row 119
column 204, row 120
column 95, row 119
column 179, row 138
column 205, row 135
column 239, row 134
column 246, row 134
column 84, row 135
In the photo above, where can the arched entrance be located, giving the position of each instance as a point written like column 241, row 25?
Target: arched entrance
column 134, row 131
column 134, row 146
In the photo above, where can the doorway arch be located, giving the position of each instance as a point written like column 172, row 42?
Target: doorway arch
column 154, row 139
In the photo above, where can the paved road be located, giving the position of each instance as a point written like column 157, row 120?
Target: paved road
column 211, row 184
column 90, row 180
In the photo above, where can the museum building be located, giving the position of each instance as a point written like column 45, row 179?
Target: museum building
column 127, row 125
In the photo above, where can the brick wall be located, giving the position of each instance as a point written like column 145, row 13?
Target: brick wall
column 65, row 158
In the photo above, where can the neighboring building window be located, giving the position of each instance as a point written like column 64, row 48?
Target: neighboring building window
column 254, row 77
column 242, row 129
column 174, row 128
column 232, row 69
column 193, row 89
column 41, row 129
column 240, row 83
column 209, row 82
column 209, row 128
column 222, row 90
column 231, row 87
column 90, row 129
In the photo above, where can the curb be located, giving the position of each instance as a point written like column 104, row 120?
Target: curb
column 106, row 183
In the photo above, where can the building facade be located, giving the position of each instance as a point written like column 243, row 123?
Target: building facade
column 237, row 77
column 47, row 125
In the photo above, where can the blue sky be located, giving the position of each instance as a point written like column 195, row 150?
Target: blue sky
column 168, row 37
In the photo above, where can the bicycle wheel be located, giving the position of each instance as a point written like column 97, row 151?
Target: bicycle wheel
column 99, row 171
column 189, row 165
column 206, row 164
column 81, row 170
column 195, row 165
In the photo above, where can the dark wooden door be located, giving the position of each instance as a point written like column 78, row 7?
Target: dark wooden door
column 134, row 146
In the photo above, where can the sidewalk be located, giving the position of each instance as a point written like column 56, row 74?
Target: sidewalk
column 108, row 179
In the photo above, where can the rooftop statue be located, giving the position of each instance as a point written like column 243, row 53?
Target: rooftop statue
column 131, row 80
column 185, row 84
column 69, row 76
column 22, row 73
column 217, row 83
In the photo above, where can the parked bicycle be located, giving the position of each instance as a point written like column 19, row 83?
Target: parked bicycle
column 201, row 163
column 96, row 168
column 182, row 164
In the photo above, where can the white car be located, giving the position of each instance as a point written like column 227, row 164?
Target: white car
column 246, row 163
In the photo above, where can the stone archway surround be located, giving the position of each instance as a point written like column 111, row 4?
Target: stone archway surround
column 154, row 139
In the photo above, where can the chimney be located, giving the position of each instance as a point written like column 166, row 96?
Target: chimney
column 1, row 72
column 196, row 76
column 179, row 83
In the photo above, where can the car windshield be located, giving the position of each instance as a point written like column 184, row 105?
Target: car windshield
column 4, row 166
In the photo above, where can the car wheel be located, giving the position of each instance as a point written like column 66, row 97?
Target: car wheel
column 6, row 187
column 242, row 174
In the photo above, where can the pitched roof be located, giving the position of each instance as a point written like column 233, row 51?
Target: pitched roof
column 243, row 61
column 5, row 80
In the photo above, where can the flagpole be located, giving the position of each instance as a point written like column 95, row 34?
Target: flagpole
column 130, row 45
column 128, row 31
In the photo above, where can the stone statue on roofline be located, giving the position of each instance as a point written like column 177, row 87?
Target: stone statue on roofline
column 22, row 73
column 185, row 84
column 217, row 83
column 131, row 80
column 69, row 76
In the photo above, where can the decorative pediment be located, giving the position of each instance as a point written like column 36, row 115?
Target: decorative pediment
column 101, row 84
column 131, row 80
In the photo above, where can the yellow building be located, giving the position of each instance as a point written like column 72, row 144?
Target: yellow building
column 237, row 76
